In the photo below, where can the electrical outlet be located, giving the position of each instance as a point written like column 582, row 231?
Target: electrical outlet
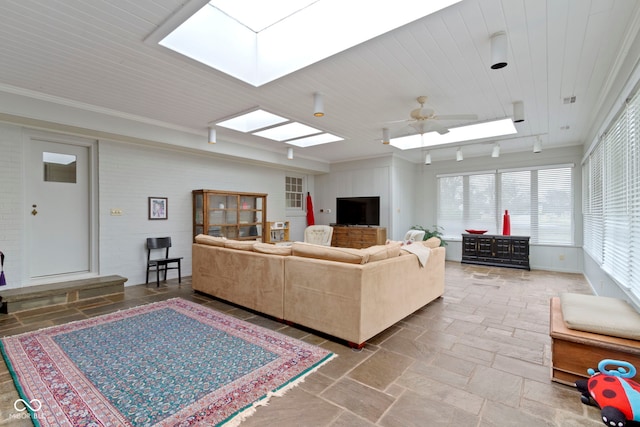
column 561, row 257
column 116, row 212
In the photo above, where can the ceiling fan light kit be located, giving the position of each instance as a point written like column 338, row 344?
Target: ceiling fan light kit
column 498, row 50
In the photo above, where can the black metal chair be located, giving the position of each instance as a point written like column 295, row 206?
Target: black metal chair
column 161, row 264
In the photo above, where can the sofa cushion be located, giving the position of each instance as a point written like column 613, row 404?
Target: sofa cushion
column 267, row 248
column 432, row 242
column 210, row 240
column 330, row 253
column 380, row 252
column 600, row 315
column 243, row 245
column 377, row 253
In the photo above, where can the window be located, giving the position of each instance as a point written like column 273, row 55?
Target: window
column 539, row 200
column 293, row 192
column 611, row 203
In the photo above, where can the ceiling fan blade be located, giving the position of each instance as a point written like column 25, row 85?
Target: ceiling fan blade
column 457, row 117
column 438, row 128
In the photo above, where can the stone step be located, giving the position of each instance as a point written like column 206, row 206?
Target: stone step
column 27, row 298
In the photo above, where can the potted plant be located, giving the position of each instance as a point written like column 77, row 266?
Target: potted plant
column 429, row 233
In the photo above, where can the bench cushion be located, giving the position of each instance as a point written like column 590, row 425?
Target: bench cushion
column 600, row 315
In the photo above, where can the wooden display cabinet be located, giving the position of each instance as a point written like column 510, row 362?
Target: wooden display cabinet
column 229, row 214
column 277, row 232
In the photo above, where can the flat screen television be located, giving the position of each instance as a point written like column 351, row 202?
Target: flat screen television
column 358, row 210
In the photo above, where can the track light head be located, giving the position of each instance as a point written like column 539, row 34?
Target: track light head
column 212, row 135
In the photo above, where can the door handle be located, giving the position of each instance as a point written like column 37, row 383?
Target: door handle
column 34, row 212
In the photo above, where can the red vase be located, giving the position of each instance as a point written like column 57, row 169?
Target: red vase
column 506, row 224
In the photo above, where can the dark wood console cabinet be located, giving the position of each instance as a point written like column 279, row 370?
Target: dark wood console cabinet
column 497, row 251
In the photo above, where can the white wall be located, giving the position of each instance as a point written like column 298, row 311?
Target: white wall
column 362, row 178
column 127, row 175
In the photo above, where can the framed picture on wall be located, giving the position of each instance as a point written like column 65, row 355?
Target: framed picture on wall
column 158, row 207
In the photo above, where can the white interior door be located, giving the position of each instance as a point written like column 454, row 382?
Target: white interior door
column 58, row 208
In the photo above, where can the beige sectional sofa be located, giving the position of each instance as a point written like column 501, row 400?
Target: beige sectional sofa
column 351, row 294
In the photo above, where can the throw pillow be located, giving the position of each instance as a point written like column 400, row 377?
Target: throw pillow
column 432, row 242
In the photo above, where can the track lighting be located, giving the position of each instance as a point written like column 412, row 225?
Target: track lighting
column 459, row 157
column 496, row 150
column 290, row 153
column 427, row 158
column 212, row 135
column 518, row 112
column 318, row 105
column 537, row 146
column 385, row 136
column 498, row 50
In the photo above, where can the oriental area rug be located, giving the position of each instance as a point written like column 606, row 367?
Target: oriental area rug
column 163, row 364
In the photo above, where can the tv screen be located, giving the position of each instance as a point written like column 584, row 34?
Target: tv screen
column 358, row 210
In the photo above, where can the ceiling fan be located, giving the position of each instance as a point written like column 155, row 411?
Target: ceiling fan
column 424, row 119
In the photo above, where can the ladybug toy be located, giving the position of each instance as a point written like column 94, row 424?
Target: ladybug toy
column 613, row 391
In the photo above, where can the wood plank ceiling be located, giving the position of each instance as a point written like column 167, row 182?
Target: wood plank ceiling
column 93, row 52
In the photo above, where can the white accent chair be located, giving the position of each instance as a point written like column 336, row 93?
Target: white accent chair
column 414, row 236
column 318, row 234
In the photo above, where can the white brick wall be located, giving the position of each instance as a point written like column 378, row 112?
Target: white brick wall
column 12, row 204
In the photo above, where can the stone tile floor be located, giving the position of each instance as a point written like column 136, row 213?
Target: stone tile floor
column 479, row 356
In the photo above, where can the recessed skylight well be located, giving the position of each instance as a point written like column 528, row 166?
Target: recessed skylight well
column 287, row 131
column 253, row 120
column 228, row 36
column 459, row 134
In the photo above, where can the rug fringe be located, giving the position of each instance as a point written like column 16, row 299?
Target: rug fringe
column 281, row 391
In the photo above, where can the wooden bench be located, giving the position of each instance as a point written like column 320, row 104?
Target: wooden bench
column 573, row 352
column 30, row 297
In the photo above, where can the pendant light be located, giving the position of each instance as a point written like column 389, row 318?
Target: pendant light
column 496, row 150
column 518, row 112
column 318, row 105
column 212, row 135
column 385, row 136
column 459, row 157
column 498, row 50
column 290, row 153
column 427, row 158
column 537, row 146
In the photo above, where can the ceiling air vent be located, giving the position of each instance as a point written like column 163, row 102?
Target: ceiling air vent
column 569, row 100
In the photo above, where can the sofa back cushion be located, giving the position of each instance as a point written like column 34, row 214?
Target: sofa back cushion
column 379, row 252
column 243, row 245
column 267, row 248
column 330, row 253
column 205, row 239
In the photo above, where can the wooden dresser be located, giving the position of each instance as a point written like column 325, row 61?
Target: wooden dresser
column 358, row 237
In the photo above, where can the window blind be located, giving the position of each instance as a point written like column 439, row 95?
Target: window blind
column 539, row 200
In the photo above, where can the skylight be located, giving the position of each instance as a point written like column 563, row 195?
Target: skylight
column 288, row 131
column 323, row 138
column 228, row 36
column 459, row 134
column 254, row 120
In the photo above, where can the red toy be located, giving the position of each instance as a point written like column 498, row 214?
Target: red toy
column 617, row 396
